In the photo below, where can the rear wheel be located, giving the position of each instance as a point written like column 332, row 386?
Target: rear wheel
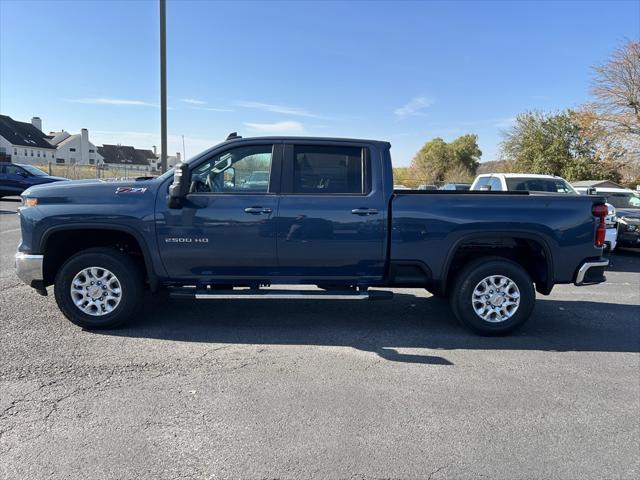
column 493, row 296
column 98, row 288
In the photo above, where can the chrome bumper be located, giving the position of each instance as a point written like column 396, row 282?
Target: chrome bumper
column 29, row 268
column 584, row 268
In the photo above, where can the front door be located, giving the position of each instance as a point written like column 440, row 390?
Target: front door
column 332, row 221
column 226, row 228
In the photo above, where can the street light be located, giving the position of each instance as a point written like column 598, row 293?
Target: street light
column 163, row 86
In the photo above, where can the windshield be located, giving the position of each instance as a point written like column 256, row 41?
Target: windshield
column 33, row 170
column 623, row 199
column 557, row 185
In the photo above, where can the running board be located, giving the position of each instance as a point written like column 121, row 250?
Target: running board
column 253, row 294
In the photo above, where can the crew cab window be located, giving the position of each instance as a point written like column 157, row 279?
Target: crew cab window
column 321, row 169
column 240, row 170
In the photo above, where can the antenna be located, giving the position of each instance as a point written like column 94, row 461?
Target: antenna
column 233, row 135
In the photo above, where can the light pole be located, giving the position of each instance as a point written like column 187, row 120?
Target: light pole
column 163, row 86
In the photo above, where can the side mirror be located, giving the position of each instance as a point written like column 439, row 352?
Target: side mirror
column 485, row 188
column 591, row 191
column 180, row 187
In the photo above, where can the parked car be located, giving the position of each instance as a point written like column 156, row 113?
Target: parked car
column 455, row 186
column 332, row 220
column 522, row 182
column 15, row 178
column 627, row 207
column 542, row 183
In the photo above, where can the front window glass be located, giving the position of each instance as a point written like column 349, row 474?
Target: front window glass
column 624, row 200
column 33, row 170
column 241, row 170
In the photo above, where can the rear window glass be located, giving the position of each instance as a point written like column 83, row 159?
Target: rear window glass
column 320, row 169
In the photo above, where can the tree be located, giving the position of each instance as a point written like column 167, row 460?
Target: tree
column 613, row 117
column 564, row 144
column 438, row 160
column 616, row 88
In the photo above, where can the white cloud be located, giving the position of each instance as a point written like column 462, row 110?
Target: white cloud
column 268, row 107
column 112, row 101
column 213, row 109
column 278, row 127
column 413, row 108
column 193, row 101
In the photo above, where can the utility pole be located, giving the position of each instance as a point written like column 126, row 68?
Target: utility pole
column 163, row 86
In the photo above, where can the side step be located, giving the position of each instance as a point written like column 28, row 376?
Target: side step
column 263, row 294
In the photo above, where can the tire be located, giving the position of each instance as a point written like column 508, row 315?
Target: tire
column 100, row 266
column 505, row 308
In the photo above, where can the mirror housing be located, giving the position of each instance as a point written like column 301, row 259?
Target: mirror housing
column 179, row 189
column 591, row 191
column 485, row 188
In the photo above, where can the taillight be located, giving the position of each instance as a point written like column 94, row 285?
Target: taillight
column 600, row 211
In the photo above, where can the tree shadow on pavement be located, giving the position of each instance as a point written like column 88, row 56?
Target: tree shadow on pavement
column 384, row 327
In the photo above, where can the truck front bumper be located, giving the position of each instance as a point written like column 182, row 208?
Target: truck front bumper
column 29, row 269
column 591, row 272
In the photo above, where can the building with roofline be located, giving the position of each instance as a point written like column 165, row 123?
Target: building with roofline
column 75, row 149
column 22, row 142
column 127, row 158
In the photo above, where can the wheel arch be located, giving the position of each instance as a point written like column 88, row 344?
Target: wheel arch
column 496, row 243
column 85, row 228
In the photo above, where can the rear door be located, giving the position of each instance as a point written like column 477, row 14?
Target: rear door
column 332, row 217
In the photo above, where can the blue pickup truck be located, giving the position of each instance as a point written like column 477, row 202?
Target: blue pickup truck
column 323, row 212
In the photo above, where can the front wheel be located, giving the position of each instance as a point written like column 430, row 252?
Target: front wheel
column 493, row 296
column 98, row 288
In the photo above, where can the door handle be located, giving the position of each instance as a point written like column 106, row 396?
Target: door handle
column 257, row 210
column 364, row 211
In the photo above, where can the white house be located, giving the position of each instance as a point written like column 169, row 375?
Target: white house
column 172, row 160
column 22, row 142
column 75, row 149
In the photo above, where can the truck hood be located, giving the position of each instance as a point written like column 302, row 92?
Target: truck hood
column 91, row 191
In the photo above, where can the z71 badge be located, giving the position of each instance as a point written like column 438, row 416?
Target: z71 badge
column 131, row 190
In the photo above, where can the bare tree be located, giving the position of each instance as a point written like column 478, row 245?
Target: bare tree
column 616, row 88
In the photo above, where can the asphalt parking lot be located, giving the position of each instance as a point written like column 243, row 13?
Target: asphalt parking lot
column 275, row 389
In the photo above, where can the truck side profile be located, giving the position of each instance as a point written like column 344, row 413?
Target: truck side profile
column 324, row 214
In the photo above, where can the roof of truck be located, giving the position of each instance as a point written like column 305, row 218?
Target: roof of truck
column 312, row 139
column 518, row 175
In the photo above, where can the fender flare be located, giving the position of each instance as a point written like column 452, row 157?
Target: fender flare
column 154, row 281
column 544, row 289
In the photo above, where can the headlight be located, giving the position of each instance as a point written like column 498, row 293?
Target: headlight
column 29, row 202
column 630, row 228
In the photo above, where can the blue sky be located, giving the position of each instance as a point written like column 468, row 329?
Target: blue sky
column 400, row 71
